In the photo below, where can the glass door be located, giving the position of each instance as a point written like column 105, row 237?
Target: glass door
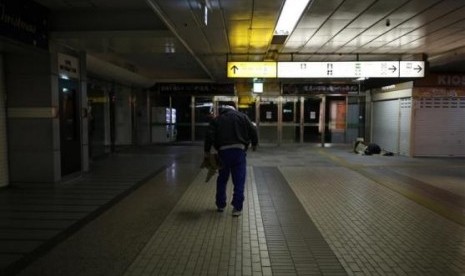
column 355, row 118
column 268, row 112
column 248, row 105
column 312, row 114
column 223, row 100
column 98, row 114
column 336, row 112
column 70, row 127
column 203, row 113
column 181, row 117
column 290, row 118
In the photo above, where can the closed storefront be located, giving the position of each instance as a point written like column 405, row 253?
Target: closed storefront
column 421, row 118
column 391, row 118
column 386, row 124
column 439, row 116
column 439, row 122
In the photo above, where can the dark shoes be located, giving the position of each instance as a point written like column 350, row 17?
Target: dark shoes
column 235, row 212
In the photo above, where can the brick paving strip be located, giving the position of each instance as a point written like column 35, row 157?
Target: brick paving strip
column 374, row 230
column 295, row 245
column 196, row 240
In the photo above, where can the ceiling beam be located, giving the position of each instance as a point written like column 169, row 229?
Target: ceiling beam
column 172, row 28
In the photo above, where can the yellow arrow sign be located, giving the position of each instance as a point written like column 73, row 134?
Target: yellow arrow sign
column 252, row 69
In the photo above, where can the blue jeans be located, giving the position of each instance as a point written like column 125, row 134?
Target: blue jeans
column 233, row 161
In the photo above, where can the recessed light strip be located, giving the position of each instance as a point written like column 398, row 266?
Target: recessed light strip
column 290, row 15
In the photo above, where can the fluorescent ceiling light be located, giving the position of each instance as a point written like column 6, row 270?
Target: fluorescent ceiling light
column 291, row 13
column 205, row 15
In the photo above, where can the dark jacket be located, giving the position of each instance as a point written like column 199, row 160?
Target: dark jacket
column 229, row 128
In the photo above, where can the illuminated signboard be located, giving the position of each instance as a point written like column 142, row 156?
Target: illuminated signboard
column 412, row 69
column 342, row 69
column 349, row 69
column 251, row 69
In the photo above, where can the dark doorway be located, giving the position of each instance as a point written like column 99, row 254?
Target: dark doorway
column 182, row 105
column 97, row 100
column 70, row 127
column 311, row 120
column 335, row 119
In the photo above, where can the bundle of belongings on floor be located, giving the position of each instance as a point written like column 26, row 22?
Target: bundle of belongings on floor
column 212, row 163
column 370, row 149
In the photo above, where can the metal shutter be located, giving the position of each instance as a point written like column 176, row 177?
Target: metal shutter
column 3, row 144
column 352, row 122
column 439, row 126
column 405, row 121
column 385, row 125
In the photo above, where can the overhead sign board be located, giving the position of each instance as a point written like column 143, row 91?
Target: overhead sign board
column 350, row 69
column 252, row 69
column 343, row 69
column 412, row 69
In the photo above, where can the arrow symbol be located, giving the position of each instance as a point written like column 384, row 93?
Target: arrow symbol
column 234, row 68
column 393, row 68
column 418, row 68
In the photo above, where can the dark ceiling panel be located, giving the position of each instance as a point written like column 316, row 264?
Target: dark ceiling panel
column 162, row 39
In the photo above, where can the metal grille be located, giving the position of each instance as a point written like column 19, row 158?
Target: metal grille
column 405, row 121
column 441, row 102
column 406, row 103
column 385, row 125
column 440, row 126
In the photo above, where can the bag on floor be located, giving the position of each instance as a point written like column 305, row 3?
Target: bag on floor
column 372, row 148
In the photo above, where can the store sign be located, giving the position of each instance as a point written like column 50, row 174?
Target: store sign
column 444, row 80
column 24, row 21
column 438, row 92
column 451, row 80
column 251, row 69
column 196, row 88
column 305, row 89
column 344, row 69
column 68, row 66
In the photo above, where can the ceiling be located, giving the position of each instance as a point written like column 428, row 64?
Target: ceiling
column 168, row 41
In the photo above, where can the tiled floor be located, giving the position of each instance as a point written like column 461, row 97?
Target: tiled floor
column 308, row 211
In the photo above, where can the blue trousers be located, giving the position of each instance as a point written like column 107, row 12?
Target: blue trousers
column 233, row 161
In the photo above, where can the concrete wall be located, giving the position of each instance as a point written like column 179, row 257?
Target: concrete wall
column 32, row 124
column 4, row 175
column 123, row 115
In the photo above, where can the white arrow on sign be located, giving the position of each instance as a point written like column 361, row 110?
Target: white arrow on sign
column 379, row 69
column 412, row 69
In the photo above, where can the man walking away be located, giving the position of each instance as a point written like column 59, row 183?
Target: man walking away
column 231, row 133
